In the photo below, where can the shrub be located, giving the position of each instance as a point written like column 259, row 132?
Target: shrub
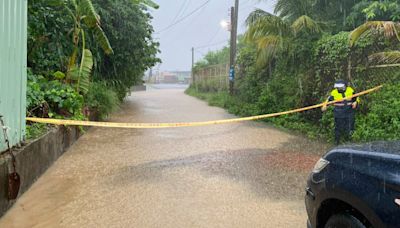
column 382, row 122
column 101, row 100
column 63, row 100
column 34, row 94
column 52, row 98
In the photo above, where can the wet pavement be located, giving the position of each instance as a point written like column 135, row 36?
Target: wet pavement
column 236, row 175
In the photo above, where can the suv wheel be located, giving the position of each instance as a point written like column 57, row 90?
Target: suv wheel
column 344, row 221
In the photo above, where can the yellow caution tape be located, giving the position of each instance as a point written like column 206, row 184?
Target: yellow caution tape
column 188, row 124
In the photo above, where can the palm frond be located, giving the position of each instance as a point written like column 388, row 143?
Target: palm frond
column 293, row 9
column 306, row 23
column 390, row 57
column 73, row 2
column 266, row 24
column 256, row 15
column 269, row 33
column 268, row 47
column 269, row 42
column 389, row 29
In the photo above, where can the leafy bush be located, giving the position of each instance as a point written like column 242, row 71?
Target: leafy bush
column 63, row 100
column 52, row 98
column 129, row 30
column 34, row 93
column 382, row 122
column 279, row 94
column 101, row 100
column 49, row 46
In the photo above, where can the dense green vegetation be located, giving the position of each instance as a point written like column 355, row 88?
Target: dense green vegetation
column 85, row 55
column 291, row 59
column 213, row 58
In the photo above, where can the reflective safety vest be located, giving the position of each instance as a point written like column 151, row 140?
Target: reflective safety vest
column 336, row 96
column 343, row 108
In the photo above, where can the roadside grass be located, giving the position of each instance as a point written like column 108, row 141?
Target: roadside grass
column 288, row 122
column 36, row 130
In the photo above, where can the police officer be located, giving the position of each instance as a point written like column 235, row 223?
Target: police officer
column 344, row 111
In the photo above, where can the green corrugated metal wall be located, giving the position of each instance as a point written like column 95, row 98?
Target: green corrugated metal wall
column 13, row 60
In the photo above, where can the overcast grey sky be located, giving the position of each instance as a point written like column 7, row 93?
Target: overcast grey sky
column 201, row 29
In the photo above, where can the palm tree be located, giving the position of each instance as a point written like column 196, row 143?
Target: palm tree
column 291, row 10
column 273, row 34
column 390, row 29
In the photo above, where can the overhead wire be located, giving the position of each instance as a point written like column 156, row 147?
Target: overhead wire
column 210, row 45
column 201, row 53
column 184, row 17
column 215, row 35
column 181, row 10
column 177, row 36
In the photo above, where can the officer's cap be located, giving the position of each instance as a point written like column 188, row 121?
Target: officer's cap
column 340, row 84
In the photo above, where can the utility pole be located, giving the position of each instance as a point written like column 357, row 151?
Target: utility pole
column 234, row 29
column 150, row 75
column 193, row 79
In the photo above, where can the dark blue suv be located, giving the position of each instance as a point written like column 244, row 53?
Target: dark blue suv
column 356, row 186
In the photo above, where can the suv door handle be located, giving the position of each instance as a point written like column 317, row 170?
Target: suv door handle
column 310, row 193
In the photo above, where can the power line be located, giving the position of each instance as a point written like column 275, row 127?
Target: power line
column 215, row 35
column 181, row 10
column 184, row 17
column 201, row 53
column 210, row 45
column 187, row 7
column 177, row 35
column 194, row 18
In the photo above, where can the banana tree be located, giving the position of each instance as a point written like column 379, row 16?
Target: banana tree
column 85, row 18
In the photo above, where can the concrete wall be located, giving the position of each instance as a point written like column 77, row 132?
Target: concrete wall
column 34, row 159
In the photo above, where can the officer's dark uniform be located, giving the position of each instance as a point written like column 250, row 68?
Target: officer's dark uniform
column 343, row 112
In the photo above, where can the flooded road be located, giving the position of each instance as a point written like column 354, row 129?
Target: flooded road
column 236, row 175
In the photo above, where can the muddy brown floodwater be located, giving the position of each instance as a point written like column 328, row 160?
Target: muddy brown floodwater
column 236, row 175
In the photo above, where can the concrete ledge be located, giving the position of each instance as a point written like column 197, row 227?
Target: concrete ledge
column 34, row 159
column 138, row 88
